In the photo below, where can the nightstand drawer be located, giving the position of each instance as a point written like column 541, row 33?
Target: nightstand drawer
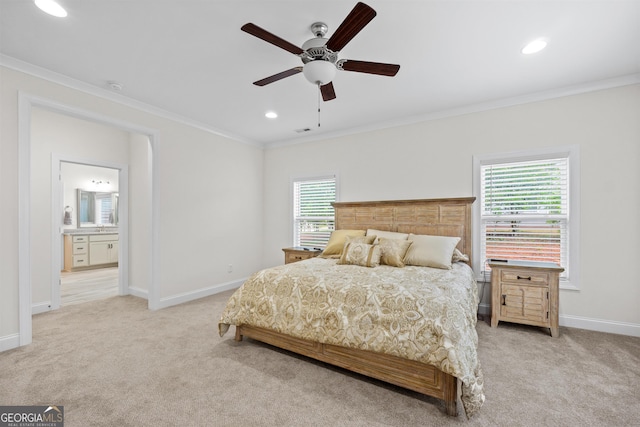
column 297, row 256
column 525, row 277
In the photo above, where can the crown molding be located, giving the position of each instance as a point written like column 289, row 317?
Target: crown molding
column 43, row 73
column 593, row 86
column 53, row 77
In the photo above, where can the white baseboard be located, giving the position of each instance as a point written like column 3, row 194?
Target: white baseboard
column 42, row 307
column 9, row 341
column 140, row 293
column 484, row 309
column 201, row 293
column 599, row 325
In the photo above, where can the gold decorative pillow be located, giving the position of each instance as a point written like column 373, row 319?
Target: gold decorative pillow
column 392, row 251
column 338, row 239
column 361, row 254
column 431, row 251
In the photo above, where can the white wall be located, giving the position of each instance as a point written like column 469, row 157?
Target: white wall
column 139, row 214
column 208, row 188
column 434, row 159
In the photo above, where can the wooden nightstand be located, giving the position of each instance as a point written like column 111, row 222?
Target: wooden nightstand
column 298, row 254
column 525, row 292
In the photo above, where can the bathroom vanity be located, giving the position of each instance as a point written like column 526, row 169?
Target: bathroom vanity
column 90, row 250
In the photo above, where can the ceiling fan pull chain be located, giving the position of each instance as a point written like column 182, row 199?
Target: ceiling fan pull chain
column 319, row 96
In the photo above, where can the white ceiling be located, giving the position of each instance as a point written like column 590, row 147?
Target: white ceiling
column 190, row 58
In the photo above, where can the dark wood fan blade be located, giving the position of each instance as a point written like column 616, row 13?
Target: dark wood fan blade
column 328, row 93
column 278, row 76
column 370, row 67
column 359, row 17
column 265, row 35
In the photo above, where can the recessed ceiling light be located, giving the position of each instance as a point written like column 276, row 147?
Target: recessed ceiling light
column 534, row 46
column 51, row 7
column 271, row 114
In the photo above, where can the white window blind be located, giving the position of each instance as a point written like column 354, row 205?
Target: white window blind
column 525, row 211
column 313, row 215
column 104, row 211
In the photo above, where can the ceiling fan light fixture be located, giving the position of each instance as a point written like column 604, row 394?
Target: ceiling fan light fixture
column 271, row 115
column 51, row 7
column 534, row 46
column 319, row 72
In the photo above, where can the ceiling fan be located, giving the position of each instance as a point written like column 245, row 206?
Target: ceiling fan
column 320, row 55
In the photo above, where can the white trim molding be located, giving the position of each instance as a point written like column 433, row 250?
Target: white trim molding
column 578, row 89
column 140, row 293
column 9, row 341
column 600, row 325
column 201, row 293
column 45, row 74
column 42, row 307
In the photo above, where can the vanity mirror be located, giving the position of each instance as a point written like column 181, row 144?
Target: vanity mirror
column 96, row 208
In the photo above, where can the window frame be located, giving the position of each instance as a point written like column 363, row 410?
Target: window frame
column 571, row 153
column 292, row 207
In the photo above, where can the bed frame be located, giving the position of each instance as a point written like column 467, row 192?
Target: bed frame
column 443, row 217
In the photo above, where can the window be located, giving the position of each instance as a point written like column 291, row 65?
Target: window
column 313, row 215
column 524, row 206
column 104, row 211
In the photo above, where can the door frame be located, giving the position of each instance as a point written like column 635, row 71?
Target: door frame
column 56, row 228
column 25, row 104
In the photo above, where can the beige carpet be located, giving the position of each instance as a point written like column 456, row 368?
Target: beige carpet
column 114, row 363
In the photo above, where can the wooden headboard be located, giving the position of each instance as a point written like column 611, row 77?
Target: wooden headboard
column 439, row 217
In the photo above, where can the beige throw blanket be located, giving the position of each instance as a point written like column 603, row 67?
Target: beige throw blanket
column 418, row 313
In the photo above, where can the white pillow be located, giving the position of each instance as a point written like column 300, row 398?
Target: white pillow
column 386, row 234
column 431, row 251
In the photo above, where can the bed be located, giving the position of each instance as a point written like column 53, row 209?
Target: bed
column 382, row 322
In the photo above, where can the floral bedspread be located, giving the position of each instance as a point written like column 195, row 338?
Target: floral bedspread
column 418, row 313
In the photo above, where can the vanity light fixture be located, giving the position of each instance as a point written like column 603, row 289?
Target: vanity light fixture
column 271, row 115
column 51, row 7
column 534, row 46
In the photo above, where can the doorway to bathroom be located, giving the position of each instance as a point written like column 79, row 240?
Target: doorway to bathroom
column 90, row 232
column 48, row 129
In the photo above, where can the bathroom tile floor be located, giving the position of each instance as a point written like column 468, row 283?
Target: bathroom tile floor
column 88, row 285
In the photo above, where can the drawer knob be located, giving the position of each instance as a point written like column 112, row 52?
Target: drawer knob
column 504, row 299
column 524, row 278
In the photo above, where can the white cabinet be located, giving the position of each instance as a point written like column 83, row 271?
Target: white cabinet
column 90, row 251
column 80, row 251
column 103, row 249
